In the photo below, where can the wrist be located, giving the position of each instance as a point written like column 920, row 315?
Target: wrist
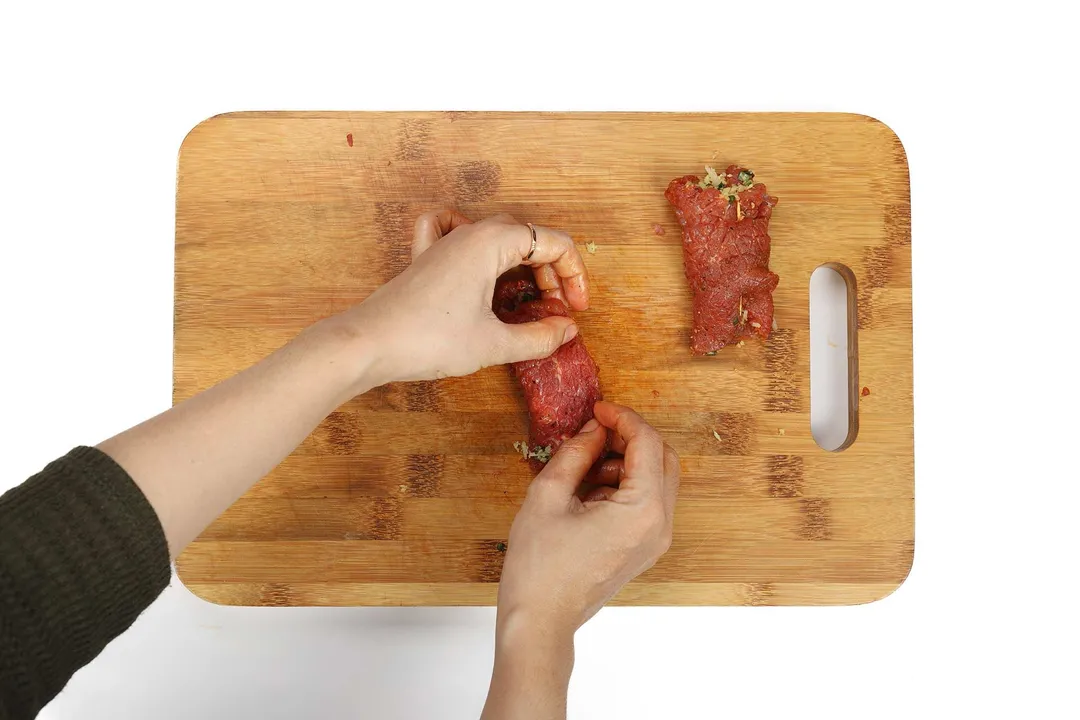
column 351, row 354
column 533, row 653
column 533, row 663
column 520, row 630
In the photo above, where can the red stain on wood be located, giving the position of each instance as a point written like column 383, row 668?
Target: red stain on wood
column 658, row 229
column 865, row 391
column 348, row 139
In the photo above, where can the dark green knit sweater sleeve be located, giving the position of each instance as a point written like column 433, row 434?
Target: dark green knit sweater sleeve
column 81, row 555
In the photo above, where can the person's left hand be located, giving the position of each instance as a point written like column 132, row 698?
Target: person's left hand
column 435, row 319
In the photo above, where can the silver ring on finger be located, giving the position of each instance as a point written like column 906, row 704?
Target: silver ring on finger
column 532, row 249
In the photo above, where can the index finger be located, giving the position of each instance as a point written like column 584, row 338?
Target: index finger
column 556, row 249
column 643, row 459
column 432, row 226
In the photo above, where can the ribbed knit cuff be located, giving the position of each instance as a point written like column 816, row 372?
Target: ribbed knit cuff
column 82, row 554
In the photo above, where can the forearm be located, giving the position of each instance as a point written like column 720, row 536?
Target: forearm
column 196, row 459
column 532, row 671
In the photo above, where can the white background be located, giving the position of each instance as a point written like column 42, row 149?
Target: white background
column 96, row 99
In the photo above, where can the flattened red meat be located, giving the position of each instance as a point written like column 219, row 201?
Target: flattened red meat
column 726, row 256
column 559, row 390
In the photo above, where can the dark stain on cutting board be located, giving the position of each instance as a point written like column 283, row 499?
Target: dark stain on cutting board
column 476, row 181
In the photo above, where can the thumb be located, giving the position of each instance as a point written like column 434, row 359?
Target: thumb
column 535, row 340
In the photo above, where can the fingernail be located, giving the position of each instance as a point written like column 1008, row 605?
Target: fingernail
column 570, row 333
column 590, row 426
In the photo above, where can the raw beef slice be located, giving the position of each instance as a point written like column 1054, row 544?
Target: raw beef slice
column 559, row 390
column 726, row 246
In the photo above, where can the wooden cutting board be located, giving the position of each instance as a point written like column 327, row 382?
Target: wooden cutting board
column 405, row 495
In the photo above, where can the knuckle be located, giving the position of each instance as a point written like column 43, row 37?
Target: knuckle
column 662, row 534
column 658, row 518
column 537, row 339
column 520, row 343
column 474, row 244
column 652, row 435
column 645, row 430
column 573, row 450
column 653, row 520
column 541, row 485
column 672, row 467
column 537, row 486
column 665, row 542
column 494, row 230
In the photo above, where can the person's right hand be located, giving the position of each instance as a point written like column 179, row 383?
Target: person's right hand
column 566, row 557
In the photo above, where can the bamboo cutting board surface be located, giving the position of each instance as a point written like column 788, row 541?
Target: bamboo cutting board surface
column 405, row 495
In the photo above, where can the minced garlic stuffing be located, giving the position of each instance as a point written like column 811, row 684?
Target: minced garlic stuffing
column 712, row 179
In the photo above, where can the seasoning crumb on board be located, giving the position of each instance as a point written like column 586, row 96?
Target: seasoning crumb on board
column 780, row 432
column 740, row 343
column 658, row 228
column 656, row 393
column 543, row 454
column 590, row 247
column 500, row 546
column 348, row 139
column 717, row 436
column 403, row 489
column 865, row 391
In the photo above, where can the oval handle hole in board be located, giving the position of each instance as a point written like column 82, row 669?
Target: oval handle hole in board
column 834, row 357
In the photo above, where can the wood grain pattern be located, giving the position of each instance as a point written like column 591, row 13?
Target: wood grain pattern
column 403, row 496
